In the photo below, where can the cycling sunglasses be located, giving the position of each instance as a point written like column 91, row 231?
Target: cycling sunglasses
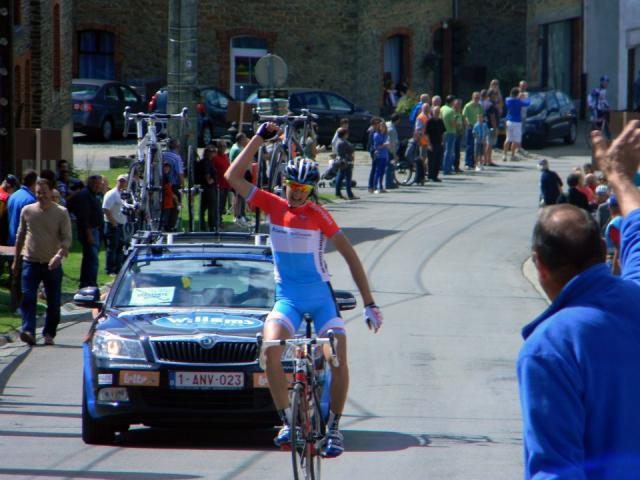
column 303, row 187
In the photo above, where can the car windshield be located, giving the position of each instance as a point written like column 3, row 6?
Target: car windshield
column 212, row 282
column 80, row 90
column 537, row 103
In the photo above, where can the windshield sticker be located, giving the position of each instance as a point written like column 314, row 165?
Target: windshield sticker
column 200, row 320
column 151, row 296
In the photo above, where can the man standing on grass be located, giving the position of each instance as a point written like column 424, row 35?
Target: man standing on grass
column 43, row 240
column 87, row 209
column 114, row 222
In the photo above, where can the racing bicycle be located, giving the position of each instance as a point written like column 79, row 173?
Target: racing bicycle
column 143, row 199
column 296, row 130
column 308, row 423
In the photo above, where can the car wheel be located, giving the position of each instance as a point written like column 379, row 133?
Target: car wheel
column 206, row 136
column 573, row 133
column 95, row 432
column 106, row 130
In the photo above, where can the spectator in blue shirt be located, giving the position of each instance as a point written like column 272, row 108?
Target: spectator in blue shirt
column 579, row 368
column 515, row 103
column 25, row 195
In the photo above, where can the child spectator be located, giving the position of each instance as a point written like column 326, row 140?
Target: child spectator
column 221, row 163
column 612, row 234
column 603, row 214
column 169, row 200
column 480, row 139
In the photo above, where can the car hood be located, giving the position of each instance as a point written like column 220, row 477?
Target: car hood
column 180, row 321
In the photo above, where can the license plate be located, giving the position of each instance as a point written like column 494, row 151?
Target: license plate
column 207, row 380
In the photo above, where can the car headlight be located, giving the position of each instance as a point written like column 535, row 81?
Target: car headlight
column 107, row 345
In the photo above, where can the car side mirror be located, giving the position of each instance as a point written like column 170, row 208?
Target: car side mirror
column 345, row 300
column 88, row 297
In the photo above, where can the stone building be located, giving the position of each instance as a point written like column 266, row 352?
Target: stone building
column 350, row 47
column 40, row 78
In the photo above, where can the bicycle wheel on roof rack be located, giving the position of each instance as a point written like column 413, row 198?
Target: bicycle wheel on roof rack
column 190, row 183
column 155, row 191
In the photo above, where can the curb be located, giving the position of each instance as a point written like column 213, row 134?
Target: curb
column 529, row 272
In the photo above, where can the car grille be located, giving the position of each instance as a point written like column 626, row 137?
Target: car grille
column 185, row 351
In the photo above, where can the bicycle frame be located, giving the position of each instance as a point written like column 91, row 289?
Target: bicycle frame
column 308, row 424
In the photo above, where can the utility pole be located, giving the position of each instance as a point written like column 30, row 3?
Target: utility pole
column 182, row 69
column 7, row 161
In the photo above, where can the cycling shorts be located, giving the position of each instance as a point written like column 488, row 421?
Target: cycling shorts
column 292, row 302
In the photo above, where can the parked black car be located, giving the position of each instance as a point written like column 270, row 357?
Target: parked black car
column 98, row 106
column 551, row 115
column 330, row 108
column 212, row 104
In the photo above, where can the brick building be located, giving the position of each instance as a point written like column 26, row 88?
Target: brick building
column 40, row 81
column 346, row 46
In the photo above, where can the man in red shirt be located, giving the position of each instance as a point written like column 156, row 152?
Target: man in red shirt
column 220, row 163
column 9, row 185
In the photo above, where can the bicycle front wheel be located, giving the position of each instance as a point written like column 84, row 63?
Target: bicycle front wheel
column 404, row 172
column 305, row 456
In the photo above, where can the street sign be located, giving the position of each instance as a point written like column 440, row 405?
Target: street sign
column 271, row 71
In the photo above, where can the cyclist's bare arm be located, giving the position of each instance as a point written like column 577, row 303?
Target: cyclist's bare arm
column 235, row 173
column 343, row 245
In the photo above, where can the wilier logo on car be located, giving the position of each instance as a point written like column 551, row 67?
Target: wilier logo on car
column 217, row 322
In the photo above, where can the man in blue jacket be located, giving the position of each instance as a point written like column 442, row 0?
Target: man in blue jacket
column 579, row 368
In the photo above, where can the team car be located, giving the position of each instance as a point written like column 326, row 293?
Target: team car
column 174, row 343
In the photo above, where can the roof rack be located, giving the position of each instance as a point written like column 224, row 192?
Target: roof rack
column 156, row 238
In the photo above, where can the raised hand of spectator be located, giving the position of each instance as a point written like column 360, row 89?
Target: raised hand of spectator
column 620, row 163
column 622, row 157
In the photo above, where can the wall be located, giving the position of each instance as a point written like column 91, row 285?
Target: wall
column 540, row 12
column 496, row 41
column 629, row 38
column 602, row 34
column 332, row 44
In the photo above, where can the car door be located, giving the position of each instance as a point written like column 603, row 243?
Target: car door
column 113, row 106
column 566, row 112
column 315, row 102
column 130, row 99
column 215, row 105
column 554, row 119
column 342, row 108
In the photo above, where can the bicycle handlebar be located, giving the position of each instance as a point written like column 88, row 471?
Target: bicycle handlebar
column 280, row 119
column 155, row 116
column 330, row 340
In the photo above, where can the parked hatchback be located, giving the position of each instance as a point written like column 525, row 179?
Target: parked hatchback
column 550, row 116
column 98, row 106
column 211, row 105
column 330, row 108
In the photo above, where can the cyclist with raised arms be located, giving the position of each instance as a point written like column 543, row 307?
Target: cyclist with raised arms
column 299, row 229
